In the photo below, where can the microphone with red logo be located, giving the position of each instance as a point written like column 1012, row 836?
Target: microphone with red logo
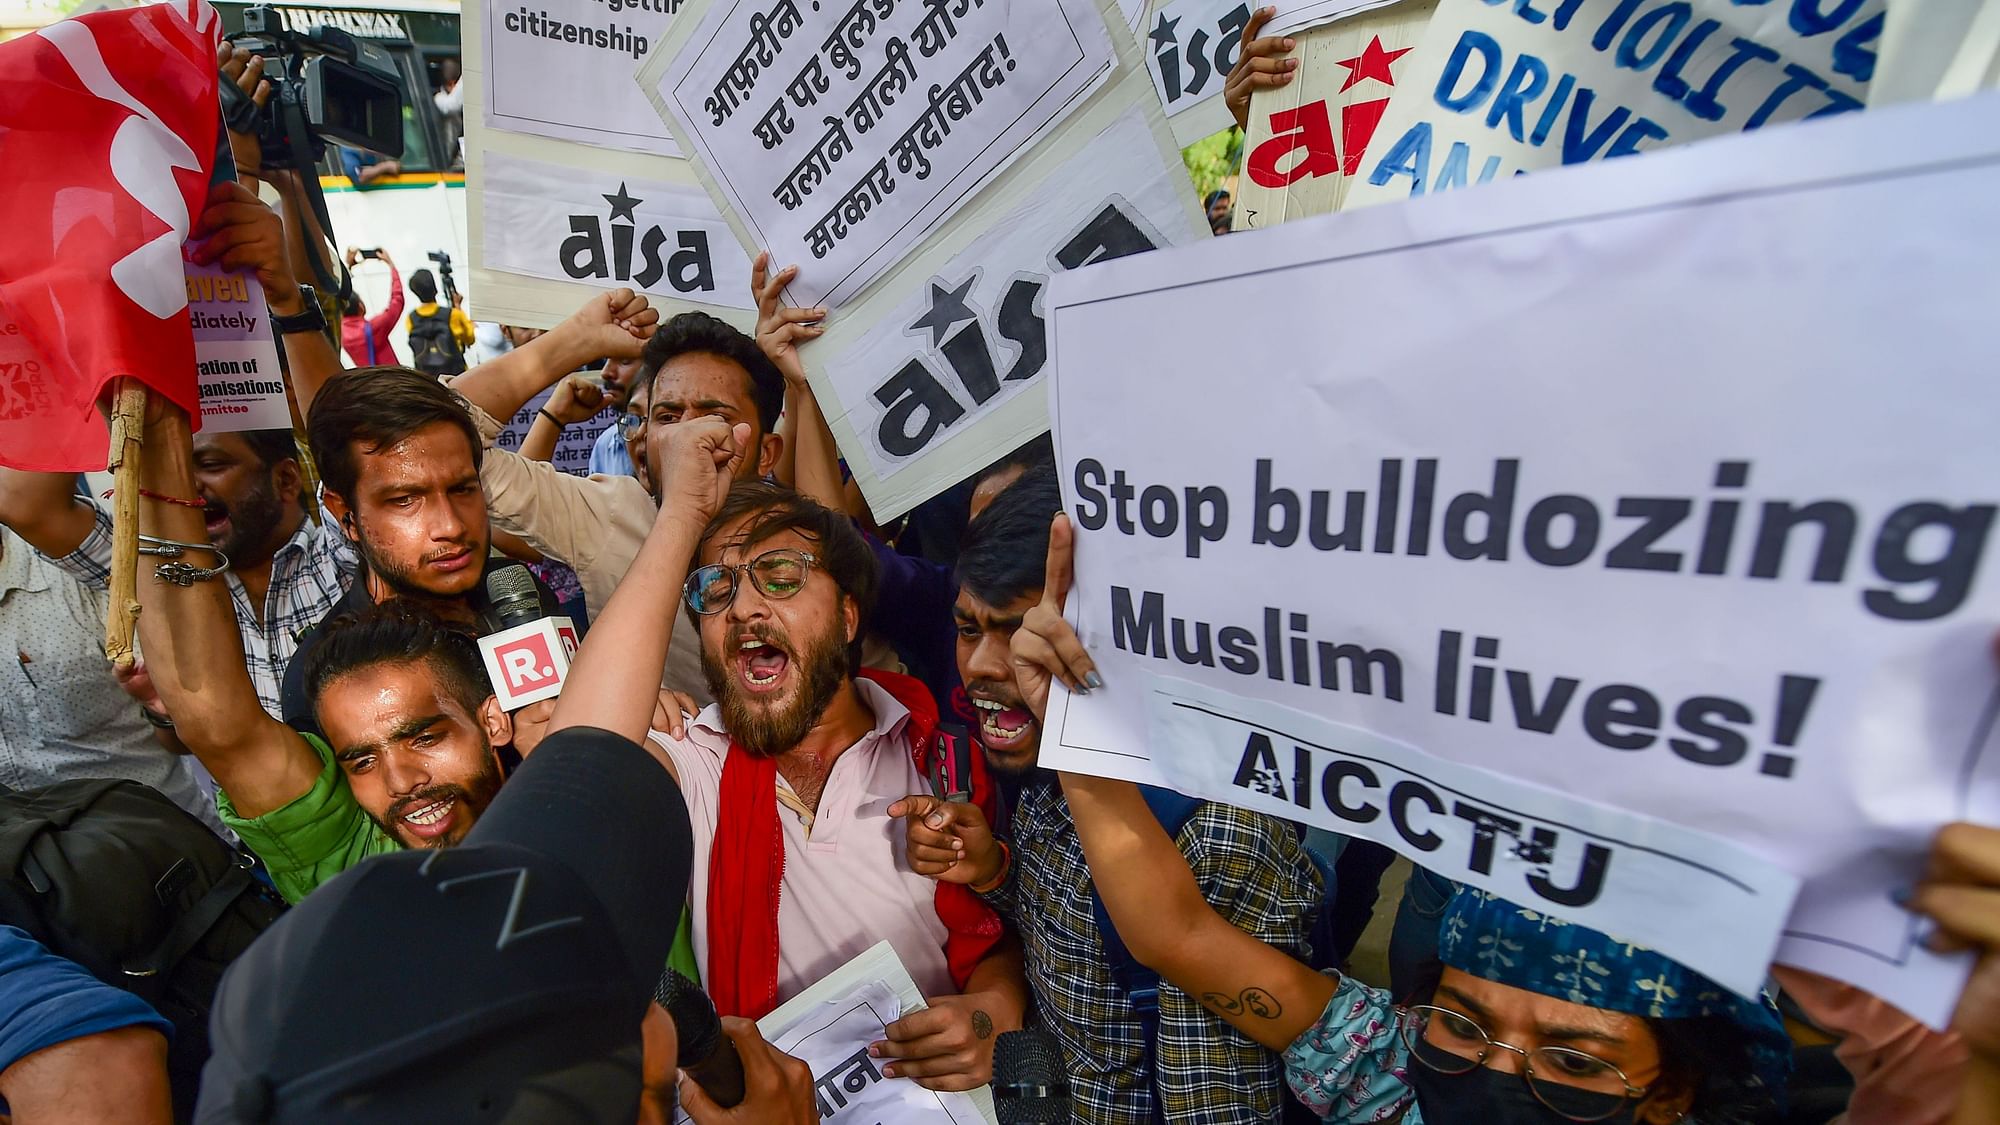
column 528, row 654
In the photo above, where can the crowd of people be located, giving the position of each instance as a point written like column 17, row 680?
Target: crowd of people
column 791, row 731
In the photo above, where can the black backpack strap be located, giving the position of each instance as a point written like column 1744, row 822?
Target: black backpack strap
column 192, row 926
column 1140, row 984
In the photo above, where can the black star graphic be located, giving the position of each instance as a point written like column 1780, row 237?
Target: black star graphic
column 1163, row 32
column 622, row 204
column 948, row 307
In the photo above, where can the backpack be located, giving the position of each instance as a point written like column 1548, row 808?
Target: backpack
column 1141, row 985
column 117, row 878
column 433, row 349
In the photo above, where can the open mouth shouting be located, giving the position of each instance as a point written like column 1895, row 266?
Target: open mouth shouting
column 761, row 664
column 430, row 816
column 1003, row 728
column 216, row 519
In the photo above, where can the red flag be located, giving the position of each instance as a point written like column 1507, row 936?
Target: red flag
column 108, row 135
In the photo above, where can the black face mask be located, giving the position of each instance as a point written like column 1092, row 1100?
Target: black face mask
column 1484, row 1096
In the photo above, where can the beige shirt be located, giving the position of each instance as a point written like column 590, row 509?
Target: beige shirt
column 847, row 882
column 595, row 525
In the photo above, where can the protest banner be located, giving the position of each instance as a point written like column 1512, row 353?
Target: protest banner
column 1306, row 140
column 239, row 380
column 916, row 398
column 1711, row 559
column 1190, row 46
column 572, row 453
column 569, row 224
column 843, row 135
column 1499, row 90
column 563, row 69
column 550, row 222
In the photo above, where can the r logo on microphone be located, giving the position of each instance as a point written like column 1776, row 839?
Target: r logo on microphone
column 527, row 663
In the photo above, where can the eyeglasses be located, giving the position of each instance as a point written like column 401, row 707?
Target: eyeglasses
column 778, row 575
column 629, row 425
column 1577, row 1085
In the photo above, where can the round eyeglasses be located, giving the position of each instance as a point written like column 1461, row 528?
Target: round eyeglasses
column 778, row 574
column 1575, row 1084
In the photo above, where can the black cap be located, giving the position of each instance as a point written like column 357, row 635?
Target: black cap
column 502, row 980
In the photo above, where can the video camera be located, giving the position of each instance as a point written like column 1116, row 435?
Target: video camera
column 443, row 260
column 325, row 85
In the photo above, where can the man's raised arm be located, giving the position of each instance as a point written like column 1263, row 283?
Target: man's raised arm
column 615, row 324
column 193, row 650
column 43, row 509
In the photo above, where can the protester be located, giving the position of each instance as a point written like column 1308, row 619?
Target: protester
column 73, row 1050
column 695, row 366
column 365, row 338
column 62, row 716
column 449, row 98
column 795, row 872
column 1127, row 1062
column 438, row 336
column 1509, row 1036
column 608, row 456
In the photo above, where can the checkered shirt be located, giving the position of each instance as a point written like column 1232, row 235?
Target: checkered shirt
column 308, row 575
column 1251, row 868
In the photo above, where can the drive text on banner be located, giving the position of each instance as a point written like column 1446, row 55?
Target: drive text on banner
column 1605, row 492
column 1499, row 90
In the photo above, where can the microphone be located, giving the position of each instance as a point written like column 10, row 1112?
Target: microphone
column 527, row 655
column 708, row 1056
column 1030, row 1083
column 511, row 595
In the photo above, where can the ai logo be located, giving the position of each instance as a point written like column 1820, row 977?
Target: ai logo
column 688, row 269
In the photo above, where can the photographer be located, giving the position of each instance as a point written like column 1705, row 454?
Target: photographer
column 365, row 338
column 438, row 337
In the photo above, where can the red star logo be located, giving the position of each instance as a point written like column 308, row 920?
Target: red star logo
column 1372, row 62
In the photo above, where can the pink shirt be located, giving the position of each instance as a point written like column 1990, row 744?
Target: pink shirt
column 848, row 885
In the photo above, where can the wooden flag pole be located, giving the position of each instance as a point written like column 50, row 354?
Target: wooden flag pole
column 128, row 430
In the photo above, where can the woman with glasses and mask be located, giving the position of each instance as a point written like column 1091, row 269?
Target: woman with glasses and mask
column 1534, row 1020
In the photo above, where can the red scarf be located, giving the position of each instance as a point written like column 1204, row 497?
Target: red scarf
column 747, row 868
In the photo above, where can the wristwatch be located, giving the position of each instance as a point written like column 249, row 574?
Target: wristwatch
column 311, row 320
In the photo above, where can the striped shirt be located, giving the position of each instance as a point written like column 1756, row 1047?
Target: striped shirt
column 308, row 575
column 1251, row 869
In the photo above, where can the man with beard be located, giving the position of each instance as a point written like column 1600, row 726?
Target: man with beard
column 797, row 867
column 400, row 462
column 1130, row 1060
column 407, row 758
column 285, row 570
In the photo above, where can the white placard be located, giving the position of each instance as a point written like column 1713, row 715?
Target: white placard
column 842, row 135
column 596, row 228
column 1598, row 484
column 1299, row 15
column 970, row 340
column 1538, row 83
column 1190, row 45
column 237, row 374
column 564, row 69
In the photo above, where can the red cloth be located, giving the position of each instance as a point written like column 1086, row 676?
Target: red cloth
column 108, row 126
column 355, row 330
column 747, row 869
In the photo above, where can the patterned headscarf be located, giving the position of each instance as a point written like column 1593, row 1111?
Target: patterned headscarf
column 1501, row 941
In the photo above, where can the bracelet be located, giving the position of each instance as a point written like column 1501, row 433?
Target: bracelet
column 544, row 412
column 1006, row 866
column 174, row 548
column 187, row 574
column 161, row 496
column 160, row 722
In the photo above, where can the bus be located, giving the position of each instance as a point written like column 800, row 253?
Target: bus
column 421, row 210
